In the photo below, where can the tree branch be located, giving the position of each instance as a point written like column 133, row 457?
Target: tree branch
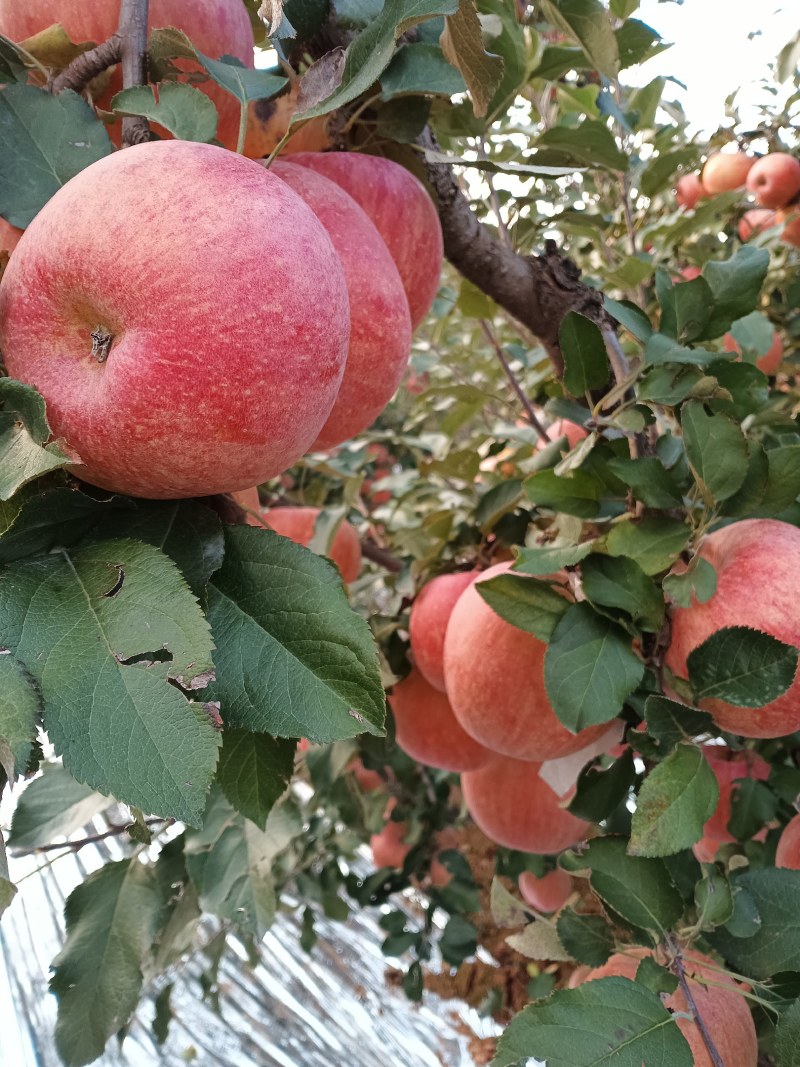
column 133, row 33
column 74, row 846
column 88, row 65
column 380, row 556
column 537, row 290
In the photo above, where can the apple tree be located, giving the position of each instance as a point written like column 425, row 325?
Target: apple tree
column 588, row 764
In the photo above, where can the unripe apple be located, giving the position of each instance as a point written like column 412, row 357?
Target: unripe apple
column 717, row 997
column 725, row 171
column 428, row 621
column 769, row 362
column 402, row 211
column 728, row 767
column 215, row 27
column 688, row 190
column 380, row 326
column 755, row 221
column 517, row 809
column 297, row 523
column 756, row 562
column 494, row 675
column 428, row 731
column 774, row 180
column 156, row 303
column 548, row 893
column 788, row 851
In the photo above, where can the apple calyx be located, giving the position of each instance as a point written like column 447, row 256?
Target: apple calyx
column 102, row 339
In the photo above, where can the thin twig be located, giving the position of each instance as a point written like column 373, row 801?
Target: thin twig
column 530, row 411
column 88, row 65
column 133, row 33
column 680, row 970
column 73, row 846
column 380, row 556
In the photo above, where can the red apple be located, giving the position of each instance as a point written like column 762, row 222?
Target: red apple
column 494, row 674
column 215, row 27
column 402, row 211
column 388, row 847
column 755, row 221
column 157, row 304
column 563, row 428
column 774, row 180
column 756, row 562
column 448, row 838
column 690, row 273
column 688, row 190
column 790, row 234
column 788, row 852
column 717, row 997
column 428, row 731
column 428, row 621
column 518, row 809
column 769, row 362
column 380, row 327
column 369, row 781
column 548, row 893
column 728, row 767
column 298, row 525
column 725, row 171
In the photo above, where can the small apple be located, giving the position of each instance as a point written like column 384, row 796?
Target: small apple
column 548, row 893
column 688, row 190
column 756, row 221
column 774, row 180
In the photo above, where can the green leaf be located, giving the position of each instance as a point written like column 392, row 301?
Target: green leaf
column 638, row 889
column 753, row 489
column 655, row 543
column 111, row 918
column 677, row 798
column 655, row 977
column 783, row 479
column 459, row 940
column 576, row 495
column 753, row 805
column 658, row 172
column 618, row 582
column 556, row 61
column 293, row 659
column 651, row 482
column 787, row 1037
column 547, row 559
column 698, row 580
column 716, row 449
column 245, row 83
column 663, row 348
column 23, row 433
column 526, row 603
column 19, row 713
column 7, row 889
column 51, row 806
column 13, row 67
column 112, row 626
column 735, row 286
column 588, row 938
column 254, row 771
column 420, row 68
column 587, row 23
column 585, row 358
column 607, row 1020
column 538, row 941
column 47, row 140
column 41, row 520
column 637, row 42
column 670, row 722
column 187, row 113
column 462, row 45
column 499, row 501
column 692, row 304
column 668, row 384
column 743, row 666
column 774, row 946
column 600, row 791
column 510, row 44
column 589, row 668
column 714, row 900
column 630, row 316
column 591, row 143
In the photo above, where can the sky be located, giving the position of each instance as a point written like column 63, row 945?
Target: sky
column 712, row 54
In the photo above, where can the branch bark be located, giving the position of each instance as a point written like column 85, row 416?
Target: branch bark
column 84, row 67
column 380, row 556
column 132, row 32
column 537, row 290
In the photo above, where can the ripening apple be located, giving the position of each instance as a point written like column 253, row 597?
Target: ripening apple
column 774, row 180
column 494, row 675
column 717, row 997
column 725, row 171
column 215, row 27
column 769, row 362
column 402, row 211
column 517, row 809
column 428, row 731
column 380, row 325
column 788, row 851
column 297, row 523
column 688, row 190
column 728, row 767
column 756, row 561
column 548, row 893
column 756, row 221
column 690, row 273
column 427, row 624
column 170, row 333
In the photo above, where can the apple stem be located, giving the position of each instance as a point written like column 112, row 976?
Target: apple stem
column 133, row 34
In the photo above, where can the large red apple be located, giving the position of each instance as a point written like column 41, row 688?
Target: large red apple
column 298, row 525
column 775, row 179
column 756, row 562
column 769, row 362
column 215, row 27
column 184, row 314
column 494, row 674
column 518, row 809
column 688, row 190
column 428, row 621
column 380, row 326
column 725, row 171
column 728, row 767
column 717, row 997
column 428, row 731
column 402, row 211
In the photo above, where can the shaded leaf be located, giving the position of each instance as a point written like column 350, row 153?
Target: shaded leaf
column 638, row 889
column 420, row 68
column 462, row 45
column 670, row 722
column 743, row 666
column 528, row 604
column 772, row 944
column 584, row 351
column 588, row 24
column 254, row 771
column 51, row 806
column 675, row 801
column 19, row 713
column 588, row 938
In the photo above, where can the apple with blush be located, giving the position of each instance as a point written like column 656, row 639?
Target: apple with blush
column 774, row 180
column 756, row 221
column 725, row 171
column 430, row 614
column 547, row 893
column 788, row 851
column 688, row 190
